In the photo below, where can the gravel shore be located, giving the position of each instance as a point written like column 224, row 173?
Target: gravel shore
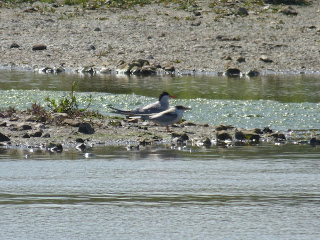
column 203, row 38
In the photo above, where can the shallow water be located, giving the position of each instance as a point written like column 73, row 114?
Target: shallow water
column 265, row 191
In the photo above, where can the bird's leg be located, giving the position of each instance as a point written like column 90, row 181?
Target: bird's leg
column 167, row 127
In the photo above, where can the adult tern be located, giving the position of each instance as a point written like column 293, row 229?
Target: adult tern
column 167, row 117
column 161, row 105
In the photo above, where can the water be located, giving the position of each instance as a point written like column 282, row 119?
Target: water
column 246, row 192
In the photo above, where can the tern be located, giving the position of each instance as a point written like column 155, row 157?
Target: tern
column 167, row 117
column 161, row 105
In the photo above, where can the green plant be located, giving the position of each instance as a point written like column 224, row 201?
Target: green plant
column 68, row 104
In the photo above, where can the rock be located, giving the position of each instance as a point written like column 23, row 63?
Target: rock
column 267, row 130
column 314, row 141
column 91, row 47
column 37, row 134
column 86, row 128
column 196, row 23
column 242, row 11
column 278, row 136
column 39, row 47
column 81, row 147
column 180, row 137
column 233, row 72
column 266, row 59
column 239, row 136
column 223, row 136
column 23, row 126
column 53, row 147
column 3, row 124
column 241, row 59
column 223, row 127
column 46, row 135
column 148, row 70
column 168, row 67
column 251, row 136
column 207, row 142
column 14, row 45
column 72, row 122
column 289, row 11
column 196, row 13
column 26, row 135
column 97, row 29
column 4, row 138
column 252, row 73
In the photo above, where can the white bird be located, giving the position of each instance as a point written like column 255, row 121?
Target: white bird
column 167, row 117
column 161, row 105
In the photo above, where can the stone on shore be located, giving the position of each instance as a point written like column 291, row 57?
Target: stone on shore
column 4, row 138
column 86, row 128
column 39, row 47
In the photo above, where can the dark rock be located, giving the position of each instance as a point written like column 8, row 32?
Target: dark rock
column 242, row 11
column 226, row 38
column 233, row 72
column 278, row 136
column 253, row 73
column 81, row 147
column 38, row 47
column 14, row 45
column 196, row 13
column 241, row 59
column 239, row 136
column 91, row 47
column 289, row 11
column 86, row 128
column 79, row 140
column 314, row 141
column 223, row 127
column 4, row 138
column 251, row 136
column 23, row 126
column 3, row 124
column 267, row 130
column 26, row 135
column 148, row 70
column 46, row 135
column 37, row 134
column 207, row 142
column 97, row 29
column 180, row 137
column 223, row 136
column 53, row 147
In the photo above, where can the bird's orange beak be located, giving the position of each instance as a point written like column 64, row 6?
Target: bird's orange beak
column 172, row 96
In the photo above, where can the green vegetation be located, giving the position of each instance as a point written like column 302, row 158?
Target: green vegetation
column 68, row 104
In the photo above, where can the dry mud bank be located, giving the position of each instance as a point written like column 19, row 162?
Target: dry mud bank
column 203, row 38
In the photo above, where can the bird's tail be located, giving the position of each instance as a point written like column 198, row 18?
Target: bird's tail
column 120, row 111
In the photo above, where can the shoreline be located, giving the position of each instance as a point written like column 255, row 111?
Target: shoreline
column 202, row 39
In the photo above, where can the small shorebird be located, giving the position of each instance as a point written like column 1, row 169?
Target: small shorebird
column 161, row 105
column 167, row 117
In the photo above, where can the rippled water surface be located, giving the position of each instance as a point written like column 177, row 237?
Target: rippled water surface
column 249, row 192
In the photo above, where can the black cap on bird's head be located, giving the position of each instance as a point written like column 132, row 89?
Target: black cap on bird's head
column 165, row 94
